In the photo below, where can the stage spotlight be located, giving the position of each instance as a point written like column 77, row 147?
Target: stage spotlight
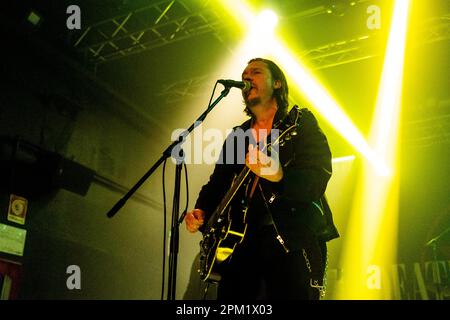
column 260, row 35
column 267, row 19
column 34, row 18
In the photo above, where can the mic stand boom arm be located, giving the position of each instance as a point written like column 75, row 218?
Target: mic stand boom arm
column 175, row 223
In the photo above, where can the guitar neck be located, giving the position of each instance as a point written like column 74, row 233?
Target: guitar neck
column 237, row 183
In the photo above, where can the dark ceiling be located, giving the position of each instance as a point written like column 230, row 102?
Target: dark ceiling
column 159, row 54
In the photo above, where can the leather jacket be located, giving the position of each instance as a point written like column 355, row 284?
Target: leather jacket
column 296, row 205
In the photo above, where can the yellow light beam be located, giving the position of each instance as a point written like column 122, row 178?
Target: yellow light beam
column 388, row 106
column 240, row 11
column 343, row 159
column 310, row 87
column 372, row 229
column 324, row 103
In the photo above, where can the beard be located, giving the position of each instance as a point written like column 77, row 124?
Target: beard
column 249, row 103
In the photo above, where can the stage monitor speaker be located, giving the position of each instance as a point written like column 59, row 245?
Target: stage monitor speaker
column 29, row 170
column 73, row 176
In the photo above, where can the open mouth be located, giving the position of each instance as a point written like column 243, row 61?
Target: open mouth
column 247, row 93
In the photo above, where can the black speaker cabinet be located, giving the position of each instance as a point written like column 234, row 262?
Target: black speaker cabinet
column 29, row 170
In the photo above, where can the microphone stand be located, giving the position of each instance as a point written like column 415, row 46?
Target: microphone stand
column 176, row 145
column 174, row 230
column 436, row 275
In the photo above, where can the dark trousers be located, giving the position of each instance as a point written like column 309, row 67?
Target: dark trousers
column 260, row 269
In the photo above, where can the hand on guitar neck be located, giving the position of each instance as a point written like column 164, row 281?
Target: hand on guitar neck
column 194, row 219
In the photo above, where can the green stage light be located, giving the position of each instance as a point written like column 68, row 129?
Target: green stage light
column 34, row 18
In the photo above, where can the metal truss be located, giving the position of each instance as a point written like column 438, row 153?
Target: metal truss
column 179, row 90
column 436, row 29
column 341, row 52
column 361, row 48
column 147, row 28
column 168, row 21
column 156, row 25
column 429, row 130
column 328, row 56
column 337, row 53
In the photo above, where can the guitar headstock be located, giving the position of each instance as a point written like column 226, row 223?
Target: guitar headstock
column 289, row 125
column 288, row 128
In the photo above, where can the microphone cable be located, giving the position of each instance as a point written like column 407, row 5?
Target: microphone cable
column 164, row 231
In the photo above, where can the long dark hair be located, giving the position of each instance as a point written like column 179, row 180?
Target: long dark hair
column 281, row 94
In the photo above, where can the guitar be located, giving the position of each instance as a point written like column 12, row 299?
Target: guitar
column 227, row 226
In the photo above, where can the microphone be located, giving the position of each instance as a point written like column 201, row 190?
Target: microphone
column 243, row 85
